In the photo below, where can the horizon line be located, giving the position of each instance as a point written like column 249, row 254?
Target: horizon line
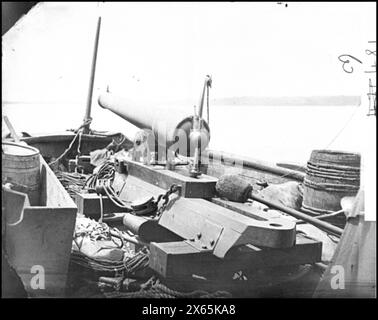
column 314, row 100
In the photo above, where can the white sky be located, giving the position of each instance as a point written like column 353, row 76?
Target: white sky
column 163, row 50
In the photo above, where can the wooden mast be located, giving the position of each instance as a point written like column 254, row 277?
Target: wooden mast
column 87, row 117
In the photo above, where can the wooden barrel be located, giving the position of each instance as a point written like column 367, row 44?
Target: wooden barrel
column 21, row 165
column 330, row 176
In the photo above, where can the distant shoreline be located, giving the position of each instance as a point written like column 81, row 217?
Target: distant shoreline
column 291, row 101
column 245, row 101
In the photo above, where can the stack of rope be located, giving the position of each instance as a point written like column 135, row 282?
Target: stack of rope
column 73, row 182
column 97, row 232
column 104, row 172
column 111, row 268
column 153, row 288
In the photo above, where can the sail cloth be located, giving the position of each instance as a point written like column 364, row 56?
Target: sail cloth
column 352, row 271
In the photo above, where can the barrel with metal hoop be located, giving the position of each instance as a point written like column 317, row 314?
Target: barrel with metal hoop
column 330, row 176
column 21, row 166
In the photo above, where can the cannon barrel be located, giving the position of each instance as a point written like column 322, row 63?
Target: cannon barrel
column 171, row 126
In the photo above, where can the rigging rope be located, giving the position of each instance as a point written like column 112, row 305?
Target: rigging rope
column 208, row 105
column 78, row 132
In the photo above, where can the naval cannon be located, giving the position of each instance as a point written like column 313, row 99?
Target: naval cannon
column 173, row 130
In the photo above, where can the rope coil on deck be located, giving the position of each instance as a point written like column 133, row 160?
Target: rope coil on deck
column 129, row 266
column 153, row 288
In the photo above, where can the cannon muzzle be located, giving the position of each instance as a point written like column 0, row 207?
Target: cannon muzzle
column 170, row 126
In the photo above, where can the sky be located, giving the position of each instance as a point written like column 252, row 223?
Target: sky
column 162, row 51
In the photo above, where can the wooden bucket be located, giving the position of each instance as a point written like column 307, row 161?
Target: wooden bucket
column 21, row 165
column 330, row 176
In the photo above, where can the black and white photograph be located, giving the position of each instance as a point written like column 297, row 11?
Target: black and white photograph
column 188, row 150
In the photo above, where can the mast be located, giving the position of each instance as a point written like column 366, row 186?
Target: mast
column 206, row 86
column 87, row 117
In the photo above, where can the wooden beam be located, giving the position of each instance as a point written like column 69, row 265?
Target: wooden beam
column 180, row 259
column 201, row 187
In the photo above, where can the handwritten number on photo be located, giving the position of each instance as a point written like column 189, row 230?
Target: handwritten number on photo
column 344, row 58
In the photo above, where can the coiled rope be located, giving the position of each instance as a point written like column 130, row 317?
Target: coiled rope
column 153, row 288
column 128, row 267
column 73, row 182
column 105, row 172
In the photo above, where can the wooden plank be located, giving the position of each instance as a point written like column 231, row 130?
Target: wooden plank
column 136, row 188
column 356, row 254
column 201, row 187
column 180, row 259
column 53, row 193
column 276, row 282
